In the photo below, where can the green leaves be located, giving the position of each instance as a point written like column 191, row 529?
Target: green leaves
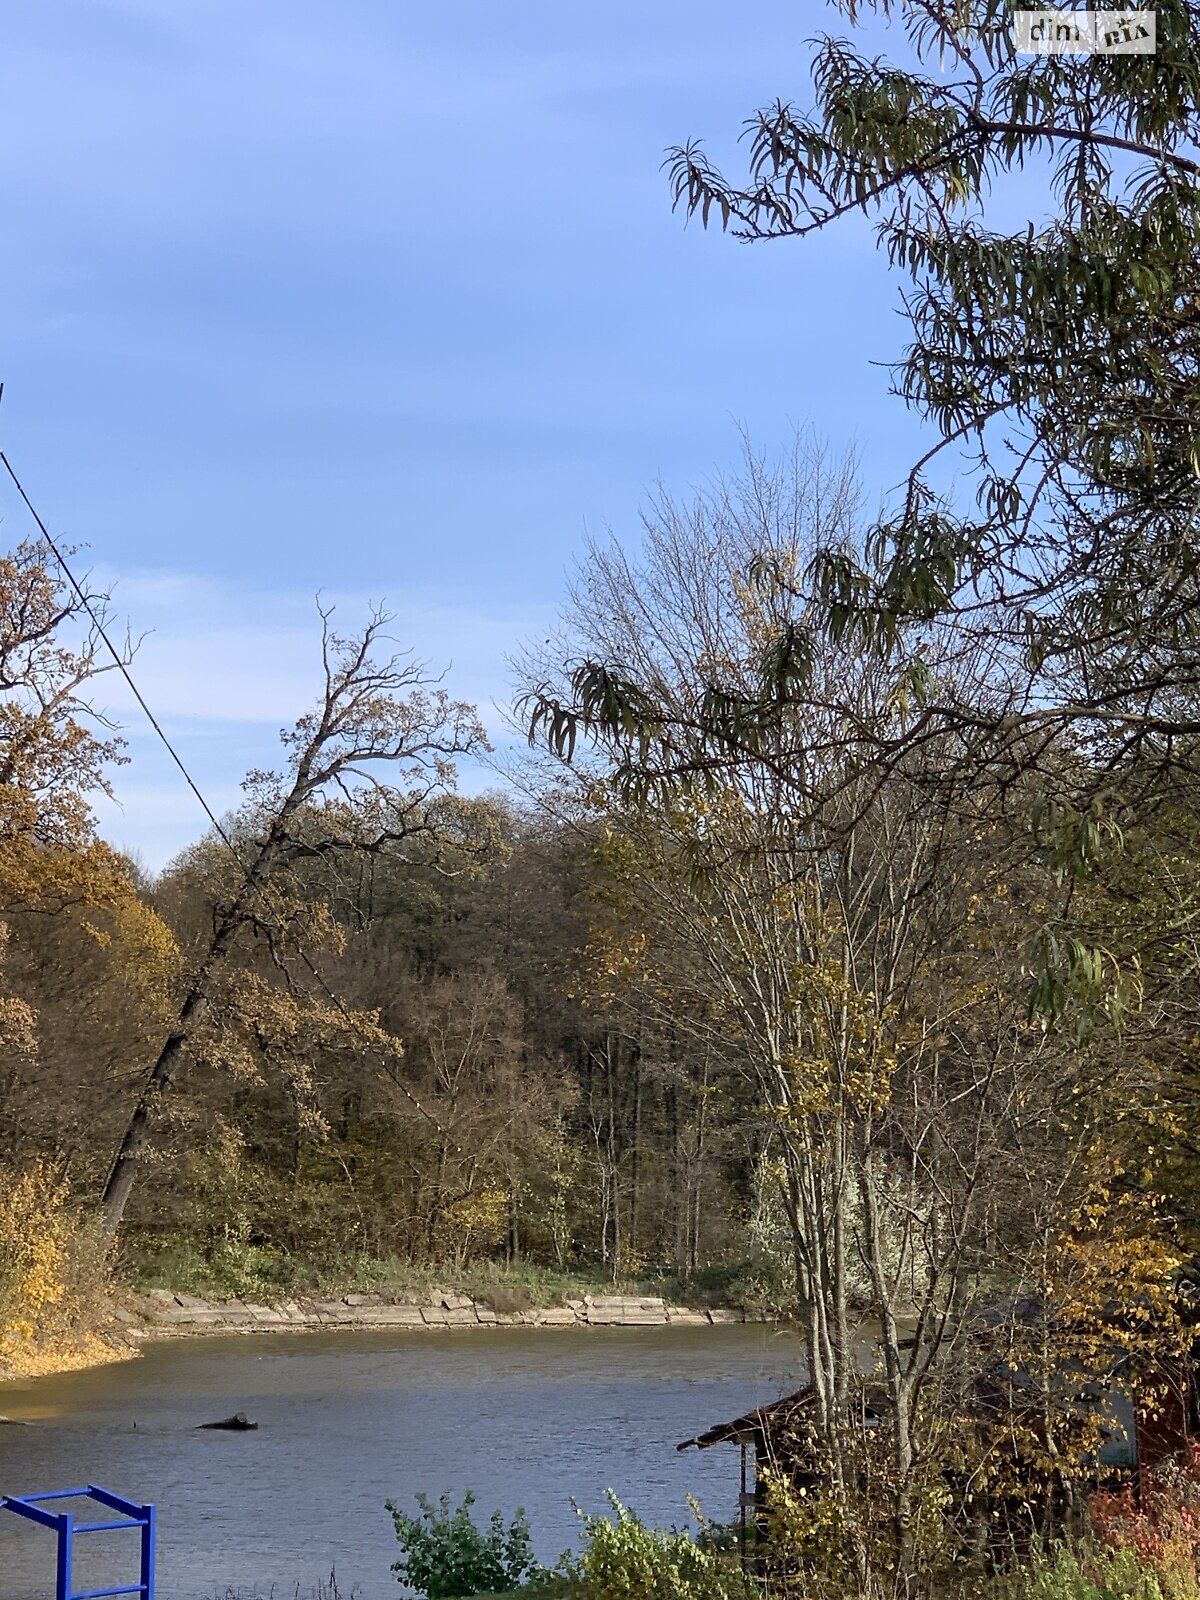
column 446, row 1557
column 1064, row 351
column 1075, row 839
column 1073, row 977
column 625, row 1560
column 602, row 702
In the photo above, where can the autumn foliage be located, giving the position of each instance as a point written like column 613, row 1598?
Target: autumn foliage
column 52, row 1276
column 1161, row 1524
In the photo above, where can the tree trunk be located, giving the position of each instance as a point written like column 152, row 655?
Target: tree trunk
column 635, row 1165
column 123, row 1174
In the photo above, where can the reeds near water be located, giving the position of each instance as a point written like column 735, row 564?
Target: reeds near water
column 323, row 1590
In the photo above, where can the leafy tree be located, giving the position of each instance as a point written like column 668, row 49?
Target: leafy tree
column 856, row 921
column 1054, row 358
column 99, row 975
column 1046, row 542
column 54, row 752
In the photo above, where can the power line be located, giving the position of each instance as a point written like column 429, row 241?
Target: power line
column 122, row 666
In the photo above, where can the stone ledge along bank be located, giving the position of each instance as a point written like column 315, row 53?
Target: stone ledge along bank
column 162, row 1313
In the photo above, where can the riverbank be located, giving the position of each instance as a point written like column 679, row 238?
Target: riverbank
column 163, row 1313
column 128, row 1320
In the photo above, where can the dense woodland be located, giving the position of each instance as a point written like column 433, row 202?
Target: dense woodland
column 840, row 924
column 498, row 1100
column 419, row 1059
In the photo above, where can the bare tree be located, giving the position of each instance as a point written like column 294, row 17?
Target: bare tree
column 363, row 772
column 855, row 915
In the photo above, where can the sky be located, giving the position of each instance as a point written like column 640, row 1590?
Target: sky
column 386, row 302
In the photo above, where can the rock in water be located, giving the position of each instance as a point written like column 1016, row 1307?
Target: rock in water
column 237, row 1423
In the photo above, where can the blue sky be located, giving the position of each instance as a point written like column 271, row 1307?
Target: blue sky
column 388, row 301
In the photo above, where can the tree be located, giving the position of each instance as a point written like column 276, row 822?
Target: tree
column 99, row 976
column 1045, row 547
column 855, row 912
column 332, row 803
column 1055, row 360
column 53, row 753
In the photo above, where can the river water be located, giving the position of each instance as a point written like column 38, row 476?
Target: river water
column 523, row 1417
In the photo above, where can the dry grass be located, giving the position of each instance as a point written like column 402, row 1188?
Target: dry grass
column 326, row 1590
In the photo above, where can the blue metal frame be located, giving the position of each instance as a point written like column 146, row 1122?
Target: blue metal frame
column 132, row 1515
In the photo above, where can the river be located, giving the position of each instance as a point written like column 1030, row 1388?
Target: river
column 347, row 1420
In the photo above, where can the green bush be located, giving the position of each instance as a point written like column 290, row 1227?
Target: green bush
column 1089, row 1571
column 625, row 1560
column 446, row 1557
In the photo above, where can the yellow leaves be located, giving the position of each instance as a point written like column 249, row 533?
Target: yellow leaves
column 309, row 923
column 81, row 911
column 1110, row 1277
column 36, row 1239
column 44, row 1282
column 480, row 1218
column 840, row 1058
column 32, row 1248
column 17, row 1026
column 67, row 1354
column 614, row 964
column 255, row 1023
column 140, row 929
column 807, row 1528
column 230, row 1052
column 143, row 957
column 71, row 871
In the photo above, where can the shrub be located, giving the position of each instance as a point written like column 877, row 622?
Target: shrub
column 625, row 1560
column 518, row 1297
column 53, row 1275
column 1088, row 1571
column 446, row 1557
column 1161, row 1530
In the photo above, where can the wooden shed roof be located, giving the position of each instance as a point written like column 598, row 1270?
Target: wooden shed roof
column 753, row 1425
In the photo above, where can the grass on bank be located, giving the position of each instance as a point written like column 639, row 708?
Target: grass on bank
column 1081, row 1571
column 230, row 1269
column 1123, row 1545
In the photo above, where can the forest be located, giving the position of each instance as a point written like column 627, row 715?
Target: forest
column 403, row 1040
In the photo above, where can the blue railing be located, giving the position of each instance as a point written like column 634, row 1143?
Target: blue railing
column 64, row 1525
